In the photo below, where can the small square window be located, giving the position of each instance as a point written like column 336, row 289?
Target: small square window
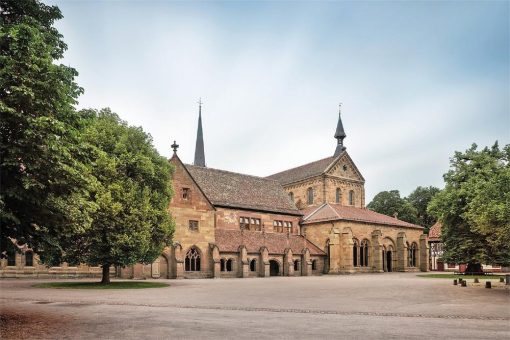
column 186, row 194
column 193, row 225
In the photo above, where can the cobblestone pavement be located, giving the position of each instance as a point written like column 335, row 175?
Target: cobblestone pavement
column 396, row 305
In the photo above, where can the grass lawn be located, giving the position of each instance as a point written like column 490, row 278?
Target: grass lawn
column 466, row 277
column 98, row 285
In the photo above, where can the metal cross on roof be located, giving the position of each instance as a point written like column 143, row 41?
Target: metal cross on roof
column 175, row 146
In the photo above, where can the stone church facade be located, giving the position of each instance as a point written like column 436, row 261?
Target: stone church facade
column 309, row 220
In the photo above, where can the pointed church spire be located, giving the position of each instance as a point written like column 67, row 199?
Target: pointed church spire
column 199, row 147
column 340, row 133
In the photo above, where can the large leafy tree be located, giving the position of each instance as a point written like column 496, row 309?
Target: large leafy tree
column 420, row 199
column 474, row 207
column 42, row 164
column 390, row 203
column 130, row 193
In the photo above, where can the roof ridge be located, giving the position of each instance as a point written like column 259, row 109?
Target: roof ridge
column 232, row 172
column 303, row 165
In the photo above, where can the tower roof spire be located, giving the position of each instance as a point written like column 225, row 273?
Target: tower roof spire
column 199, row 147
column 340, row 133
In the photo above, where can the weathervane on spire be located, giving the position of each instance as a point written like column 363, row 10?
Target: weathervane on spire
column 340, row 108
column 200, row 102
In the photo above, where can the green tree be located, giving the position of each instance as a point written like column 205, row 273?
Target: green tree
column 420, row 199
column 474, row 207
column 131, row 193
column 390, row 203
column 43, row 170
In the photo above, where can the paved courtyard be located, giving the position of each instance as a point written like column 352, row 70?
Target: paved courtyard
column 395, row 305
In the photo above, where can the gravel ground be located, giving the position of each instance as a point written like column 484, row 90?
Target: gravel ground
column 394, row 305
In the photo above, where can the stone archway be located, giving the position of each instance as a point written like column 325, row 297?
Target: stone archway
column 389, row 260
column 163, row 267
column 274, row 268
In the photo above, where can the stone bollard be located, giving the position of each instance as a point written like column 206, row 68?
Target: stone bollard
column 507, row 280
column 455, row 282
column 502, row 279
column 488, row 284
column 464, row 283
column 476, row 280
column 460, row 281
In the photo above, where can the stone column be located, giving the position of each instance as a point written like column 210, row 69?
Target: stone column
column 244, row 266
column 334, row 252
column 288, row 263
column 306, row 263
column 264, row 262
column 215, row 260
column 424, row 253
column 401, row 252
column 376, row 249
column 345, row 256
column 177, row 260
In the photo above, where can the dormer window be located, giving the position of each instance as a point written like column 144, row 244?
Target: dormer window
column 186, row 194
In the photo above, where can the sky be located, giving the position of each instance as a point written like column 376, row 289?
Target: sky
column 418, row 80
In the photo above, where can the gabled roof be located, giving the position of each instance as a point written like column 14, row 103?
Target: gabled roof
column 312, row 169
column 435, row 232
column 276, row 243
column 304, row 171
column 333, row 212
column 230, row 189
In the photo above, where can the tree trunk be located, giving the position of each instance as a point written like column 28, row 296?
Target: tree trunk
column 106, row 274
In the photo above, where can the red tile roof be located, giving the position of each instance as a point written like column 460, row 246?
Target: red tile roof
column 435, row 232
column 304, row 171
column 331, row 212
column 276, row 243
column 230, row 189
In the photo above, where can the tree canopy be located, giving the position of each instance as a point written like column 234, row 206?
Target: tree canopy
column 79, row 187
column 420, row 199
column 474, row 207
column 130, row 195
column 43, row 167
column 390, row 203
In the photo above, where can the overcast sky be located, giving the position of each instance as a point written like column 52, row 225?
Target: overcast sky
column 417, row 80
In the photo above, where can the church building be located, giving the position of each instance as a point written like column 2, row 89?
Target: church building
column 308, row 220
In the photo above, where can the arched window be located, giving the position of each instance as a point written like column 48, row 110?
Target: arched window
column 412, row 255
column 351, row 197
column 338, row 195
column 296, row 265
column 314, row 264
column 309, row 195
column 229, row 265
column 364, row 253
column 253, row 265
column 192, row 263
column 355, row 247
column 29, row 259
column 222, row 265
column 291, row 196
column 11, row 258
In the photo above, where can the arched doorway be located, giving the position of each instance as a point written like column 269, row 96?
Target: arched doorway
column 389, row 266
column 163, row 267
column 274, row 268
